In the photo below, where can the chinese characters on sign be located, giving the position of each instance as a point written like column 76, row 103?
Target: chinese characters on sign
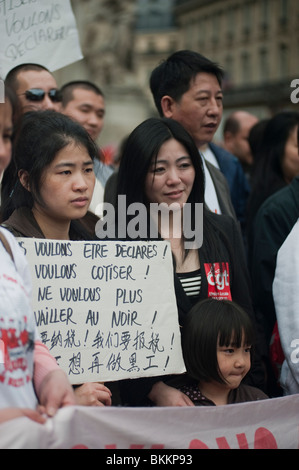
column 106, row 311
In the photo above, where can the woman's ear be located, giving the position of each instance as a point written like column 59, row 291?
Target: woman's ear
column 24, row 179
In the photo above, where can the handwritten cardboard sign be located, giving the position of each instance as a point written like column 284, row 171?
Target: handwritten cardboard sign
column 38, row 31
column 106, row 310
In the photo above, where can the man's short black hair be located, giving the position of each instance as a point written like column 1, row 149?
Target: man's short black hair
column 67, row 89
column 12, row 77
column 173, row 75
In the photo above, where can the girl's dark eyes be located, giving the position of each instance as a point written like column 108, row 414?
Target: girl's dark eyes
column 158, row 169
column 68, row 172
column 185, row 165
column 182, row 166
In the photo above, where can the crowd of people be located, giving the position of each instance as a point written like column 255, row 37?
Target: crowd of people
column 54, row 181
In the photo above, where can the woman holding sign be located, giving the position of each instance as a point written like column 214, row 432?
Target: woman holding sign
column 52, row 187
column 21, row 390
column 160, row 165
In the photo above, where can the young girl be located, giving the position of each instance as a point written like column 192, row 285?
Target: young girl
column 216, row 341
column 51, row 190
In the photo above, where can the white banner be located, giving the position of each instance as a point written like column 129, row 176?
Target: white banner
column 106, row 310
column 38, row 31
column 266, row 424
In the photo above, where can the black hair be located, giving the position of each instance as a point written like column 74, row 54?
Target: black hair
column 268, row 175
column 12, row 76
column 141, row 147
column 68, row 88
column 12, row 97
column 208, row 324
column 40, row 135
column 173, row 76
column 255, row 138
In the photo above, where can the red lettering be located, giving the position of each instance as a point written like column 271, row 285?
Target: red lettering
column 264, row 439
column 197, row 444
column 16, row 382
column 242, row 440
column 222, row 443
column 79, row 446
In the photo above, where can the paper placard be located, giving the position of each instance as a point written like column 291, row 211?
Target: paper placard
column 106, row 310
column 37, row 31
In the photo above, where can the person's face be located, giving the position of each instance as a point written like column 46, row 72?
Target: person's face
column 238, row 143
column 67, row 185
column 290, row 162
column 6, row 129
column 87, row 108
column 234, row 363
column 171, row 176
column 32, row 79
column 200, row 108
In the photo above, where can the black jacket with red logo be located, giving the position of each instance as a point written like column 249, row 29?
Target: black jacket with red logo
column 232, row 254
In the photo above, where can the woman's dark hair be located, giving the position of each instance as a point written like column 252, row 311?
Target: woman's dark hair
column 268, row 175
column 40, row 135
column 12, row 97
column 141, row 147
column 210, row 323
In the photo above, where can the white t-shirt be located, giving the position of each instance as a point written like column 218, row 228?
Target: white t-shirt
column 211, row 198
column 210, row 156
column 18, row 330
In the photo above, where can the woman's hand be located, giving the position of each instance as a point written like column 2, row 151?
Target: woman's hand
column 164, row 395
column 8, row 414
column 93, row 394
column 55, row 392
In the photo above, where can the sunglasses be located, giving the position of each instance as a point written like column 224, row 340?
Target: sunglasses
column 37, row 94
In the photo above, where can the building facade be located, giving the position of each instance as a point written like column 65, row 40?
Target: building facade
column 255, row 41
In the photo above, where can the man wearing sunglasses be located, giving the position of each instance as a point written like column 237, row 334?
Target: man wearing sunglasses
column 35, row 86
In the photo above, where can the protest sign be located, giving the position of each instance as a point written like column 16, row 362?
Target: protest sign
column 37, row 31
column 265, row 424
column 106, row 310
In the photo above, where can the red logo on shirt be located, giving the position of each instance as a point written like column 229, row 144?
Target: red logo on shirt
column 218, row 280
column 2, row 352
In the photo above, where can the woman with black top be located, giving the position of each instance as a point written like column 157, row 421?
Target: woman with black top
column 160, row 165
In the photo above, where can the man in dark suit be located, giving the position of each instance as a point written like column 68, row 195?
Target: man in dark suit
column 238, row 184
column 187, row 87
